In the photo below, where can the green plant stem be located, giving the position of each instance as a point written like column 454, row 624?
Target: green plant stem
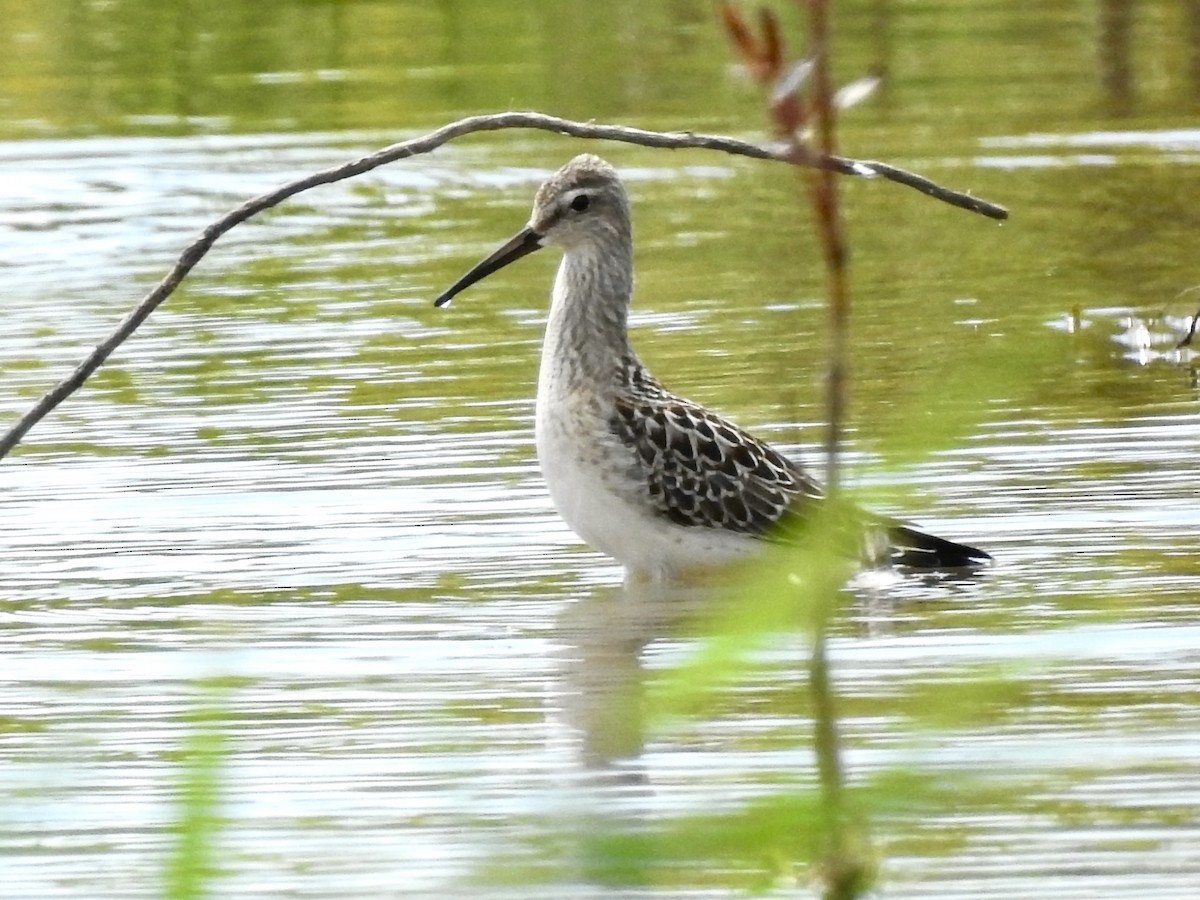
column 842, row 869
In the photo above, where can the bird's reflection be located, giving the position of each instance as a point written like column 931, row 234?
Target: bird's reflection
column 603, row 704
column 604, row 636
column 603, row 684
column 620, row 820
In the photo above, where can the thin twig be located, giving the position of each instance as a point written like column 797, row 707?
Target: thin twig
column 1191, row 333
column 196, row 250
column 1187, row 339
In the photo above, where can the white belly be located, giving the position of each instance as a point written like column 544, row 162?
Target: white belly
column 592, row 476
column 587, row 473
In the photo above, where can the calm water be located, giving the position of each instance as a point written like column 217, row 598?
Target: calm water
column 301, row 480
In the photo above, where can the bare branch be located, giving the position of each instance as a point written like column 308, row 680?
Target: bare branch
column 922, row 184
column 196, row 250
column 1187, row 339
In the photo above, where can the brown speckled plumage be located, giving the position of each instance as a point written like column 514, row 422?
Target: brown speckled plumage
column 699, row 470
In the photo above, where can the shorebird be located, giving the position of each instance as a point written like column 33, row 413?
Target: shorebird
column 659, row 483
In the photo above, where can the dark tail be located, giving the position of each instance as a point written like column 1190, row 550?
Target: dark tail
column 914, row 549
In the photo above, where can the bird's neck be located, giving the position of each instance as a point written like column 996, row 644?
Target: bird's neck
column 587, row 335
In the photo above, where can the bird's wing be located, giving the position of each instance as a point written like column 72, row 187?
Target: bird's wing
column 700, row 470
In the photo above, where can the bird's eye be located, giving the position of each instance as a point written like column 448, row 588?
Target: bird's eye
column 581, row 202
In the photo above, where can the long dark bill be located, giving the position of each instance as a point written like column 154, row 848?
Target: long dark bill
column 520, row 244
